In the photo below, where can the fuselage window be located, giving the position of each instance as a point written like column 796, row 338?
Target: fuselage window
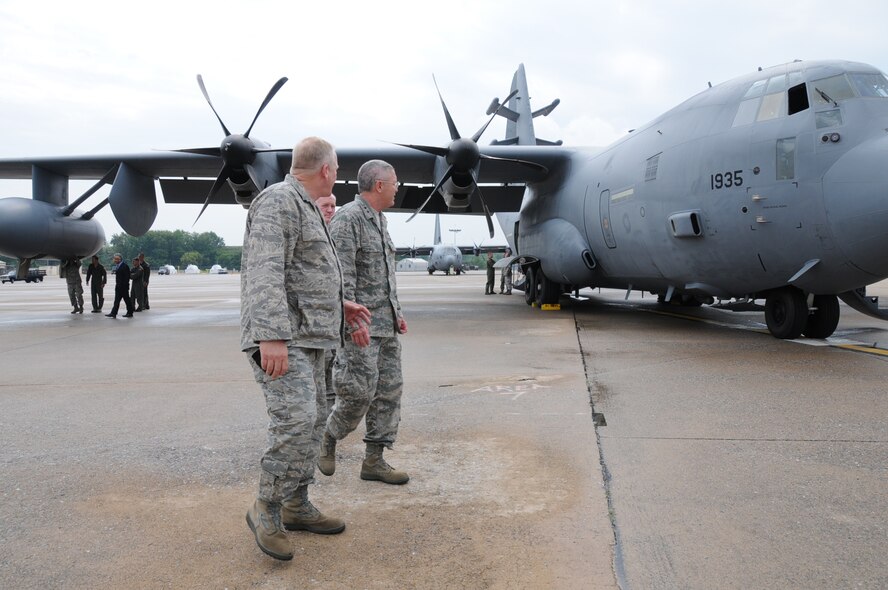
column 870, row 85
column 771, row 107
column 786, row 158
column 798, row 99
column 830, row 118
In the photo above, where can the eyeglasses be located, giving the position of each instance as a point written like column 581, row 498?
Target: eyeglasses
column 397, row 183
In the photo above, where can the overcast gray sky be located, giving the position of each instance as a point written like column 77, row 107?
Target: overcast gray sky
column 98, row 77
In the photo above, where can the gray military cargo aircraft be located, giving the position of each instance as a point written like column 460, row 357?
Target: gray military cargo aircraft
column 446, row 257
column 770, row 186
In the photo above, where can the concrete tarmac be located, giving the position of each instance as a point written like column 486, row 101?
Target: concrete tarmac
column 129, row 449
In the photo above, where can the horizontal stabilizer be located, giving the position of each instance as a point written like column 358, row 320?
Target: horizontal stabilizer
column 133, row 200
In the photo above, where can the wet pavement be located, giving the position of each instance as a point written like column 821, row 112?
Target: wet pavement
column 730, row 459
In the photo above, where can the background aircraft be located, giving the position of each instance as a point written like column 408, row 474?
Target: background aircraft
column 768, row 186
column 446, row 257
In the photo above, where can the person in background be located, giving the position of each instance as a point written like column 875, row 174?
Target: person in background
column 146, row 274
column 136, row 274
column 121, row 288
column 96, row 272
column 70, row 269
column 327, row 205
column 506, row 276
column 491, row 275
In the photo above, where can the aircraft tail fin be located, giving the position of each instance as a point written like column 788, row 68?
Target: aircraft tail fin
column 437, row 229
column 519, row 128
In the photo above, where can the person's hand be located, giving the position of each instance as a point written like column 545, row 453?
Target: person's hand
column 356, row 315
column 361, row 336
column 402, row 325
column 273, row 354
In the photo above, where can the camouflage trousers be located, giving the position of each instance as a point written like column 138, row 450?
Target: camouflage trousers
column 295, row 404
column 75, row 293
column 368, row 383
column 329, row 357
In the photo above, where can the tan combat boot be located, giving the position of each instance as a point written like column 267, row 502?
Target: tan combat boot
column 327, row 458
column 299, row 514
column 269, row 537
column 375, row 468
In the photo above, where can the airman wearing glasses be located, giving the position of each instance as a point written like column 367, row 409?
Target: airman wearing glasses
column 368, row 381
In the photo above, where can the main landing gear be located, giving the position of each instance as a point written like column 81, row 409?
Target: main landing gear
column 539, row 289
column 788, row 315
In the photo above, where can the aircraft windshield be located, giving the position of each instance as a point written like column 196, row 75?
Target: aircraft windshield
column 842, row 87
column 870, row 85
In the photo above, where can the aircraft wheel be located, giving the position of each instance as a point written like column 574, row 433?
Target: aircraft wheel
column 431, row 271
column 786, row 313
column 530, row 283
column 547, row 291
column 822, row 321
column 458, row 271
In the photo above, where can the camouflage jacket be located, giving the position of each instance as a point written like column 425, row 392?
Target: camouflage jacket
column 291, row 284
column 367, row 256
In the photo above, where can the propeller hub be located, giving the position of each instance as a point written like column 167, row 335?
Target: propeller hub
column 463, row 154
column 237, row 151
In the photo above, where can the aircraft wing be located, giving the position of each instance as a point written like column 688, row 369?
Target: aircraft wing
column 188, row 177
column 413, row 252
column 479, row 250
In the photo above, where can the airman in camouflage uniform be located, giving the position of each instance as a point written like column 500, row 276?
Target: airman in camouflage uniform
column 368, row 381
column 327, row 205
column 70, row 270
column 291, row 311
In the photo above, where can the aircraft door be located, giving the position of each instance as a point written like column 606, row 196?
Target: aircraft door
column 604, row 212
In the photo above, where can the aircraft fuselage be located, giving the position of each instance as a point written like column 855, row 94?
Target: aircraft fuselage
column 752, row 185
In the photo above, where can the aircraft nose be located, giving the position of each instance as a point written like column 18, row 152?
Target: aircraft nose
column 855, row 191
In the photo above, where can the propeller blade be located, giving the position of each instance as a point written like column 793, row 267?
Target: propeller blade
column 203, row 89
column 429, row 149
column 268, row 97
column 483, row 204
column 533, row 165
column 210, row 151
column 441, row 182
column 477, row 136
column 454, row 134
column 220, row 180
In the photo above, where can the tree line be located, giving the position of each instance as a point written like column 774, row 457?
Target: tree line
column 178, row 248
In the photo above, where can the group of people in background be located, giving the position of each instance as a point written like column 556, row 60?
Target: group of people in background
column 505, row 277
column 130, row 286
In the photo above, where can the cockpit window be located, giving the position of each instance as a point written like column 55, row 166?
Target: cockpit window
column 830, row 90
column 771, row 107
column 776, row 84
column 870, row 85
column 756, row 89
